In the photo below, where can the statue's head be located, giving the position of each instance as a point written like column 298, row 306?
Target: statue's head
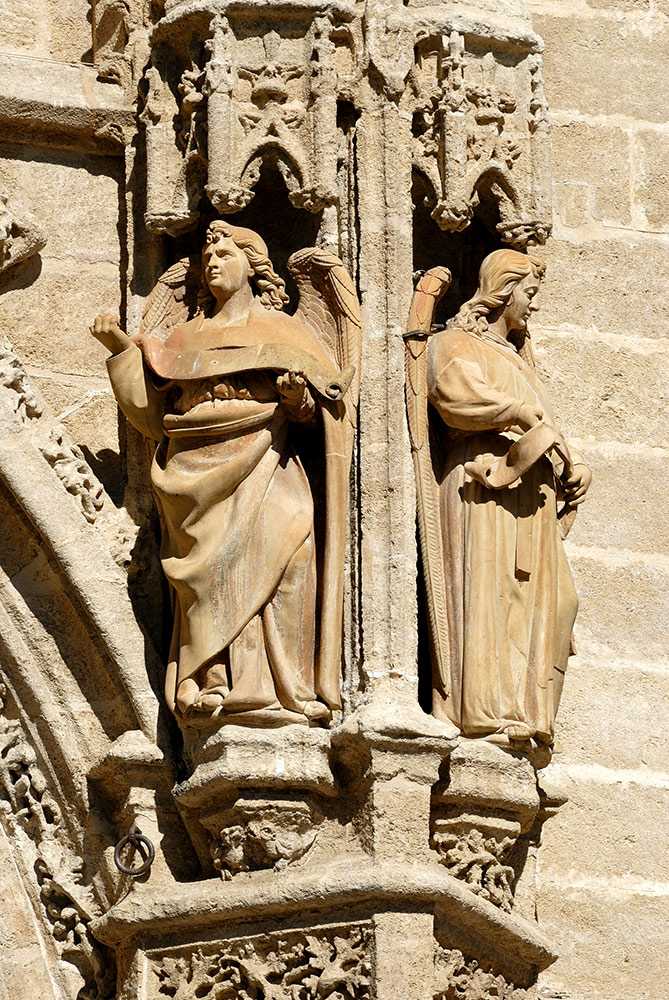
column 508, row 284
column 234, row 256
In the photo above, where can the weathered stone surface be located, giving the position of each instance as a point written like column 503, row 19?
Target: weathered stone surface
column 627, row 521
column 651, row 155
column 621, row 5
column 608, row 371
column 89, row 230
column 593, row 174
column 615, row 586
column 613, row 939
column 593, row 730
column 583, row 60
column 580, row 843
column 24, row 22
column 56, row 313
column 615, row 286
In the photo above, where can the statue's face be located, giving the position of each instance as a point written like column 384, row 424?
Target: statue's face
column 522, row 304
column 226, row 267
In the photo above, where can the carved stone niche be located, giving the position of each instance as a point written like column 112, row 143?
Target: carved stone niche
column 222, row 97
column 486, row 801
column 481, row 132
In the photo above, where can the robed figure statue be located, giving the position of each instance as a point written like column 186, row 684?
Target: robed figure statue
column 253, row 505
column 497, row 489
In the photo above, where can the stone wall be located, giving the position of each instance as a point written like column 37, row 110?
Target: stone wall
column 602, row 870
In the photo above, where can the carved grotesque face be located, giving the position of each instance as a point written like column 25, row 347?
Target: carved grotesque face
column 522, row 303
column 226, row 267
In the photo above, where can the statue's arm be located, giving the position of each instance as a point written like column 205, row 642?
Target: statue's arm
column 467, row 401
column 138, row 398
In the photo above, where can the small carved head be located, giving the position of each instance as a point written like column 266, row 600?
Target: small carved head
column 508, row 284
column 232, row 256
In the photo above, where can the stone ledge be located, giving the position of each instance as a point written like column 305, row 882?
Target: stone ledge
column 348, row 883
column 61, row 96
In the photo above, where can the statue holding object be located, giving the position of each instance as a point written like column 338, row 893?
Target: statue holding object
column 491, row 467
column 254, row 413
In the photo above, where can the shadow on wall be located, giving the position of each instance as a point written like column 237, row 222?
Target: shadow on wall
column 461, row 252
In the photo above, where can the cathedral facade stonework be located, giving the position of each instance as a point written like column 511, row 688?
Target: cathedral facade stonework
column 334, row 565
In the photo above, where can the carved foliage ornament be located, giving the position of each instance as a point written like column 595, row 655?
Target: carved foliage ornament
column 332, row 963
column 63, row 455
column 461, row 978
column 28, row 809
column 477, row 860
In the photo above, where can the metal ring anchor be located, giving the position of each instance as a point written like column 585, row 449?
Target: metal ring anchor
column 141, row 845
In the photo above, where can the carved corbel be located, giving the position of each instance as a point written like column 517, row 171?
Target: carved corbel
column 485, row 803
column 256, row 799
column 20, row 235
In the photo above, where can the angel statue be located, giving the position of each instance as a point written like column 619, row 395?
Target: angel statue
column 491, row 469
column 253, row 503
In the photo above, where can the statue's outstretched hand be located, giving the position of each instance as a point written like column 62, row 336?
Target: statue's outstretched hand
column 106, row 329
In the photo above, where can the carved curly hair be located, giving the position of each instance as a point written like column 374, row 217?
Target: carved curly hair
column 500, row 272
column 270, row 285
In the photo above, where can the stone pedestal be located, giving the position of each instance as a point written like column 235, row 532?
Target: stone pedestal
column 337, row 878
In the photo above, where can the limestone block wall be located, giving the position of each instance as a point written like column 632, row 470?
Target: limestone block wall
column 603, row 866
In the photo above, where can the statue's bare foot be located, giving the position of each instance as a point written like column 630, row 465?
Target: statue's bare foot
column 187, row 695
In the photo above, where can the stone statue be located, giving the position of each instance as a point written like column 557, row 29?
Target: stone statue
column 254, row 411
column 491, row 467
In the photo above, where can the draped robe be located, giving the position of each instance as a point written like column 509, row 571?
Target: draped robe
column 237, row 512
column 511, row 601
